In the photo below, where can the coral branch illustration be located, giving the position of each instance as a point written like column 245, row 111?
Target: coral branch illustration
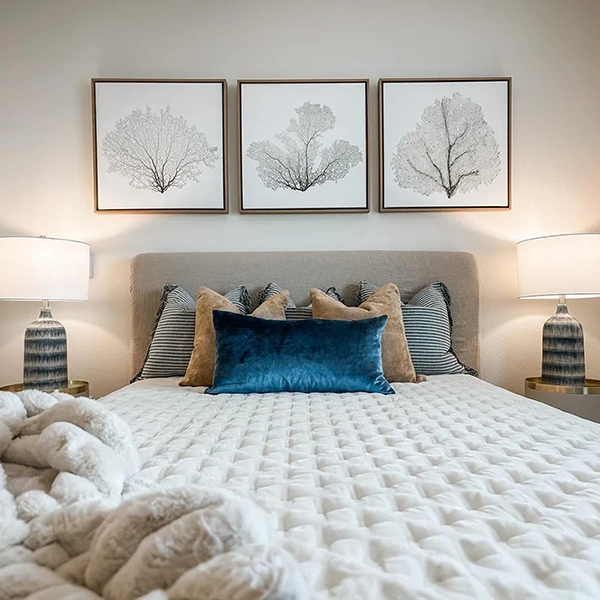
column 300, row 161
column 157, row 151
column 452, row 150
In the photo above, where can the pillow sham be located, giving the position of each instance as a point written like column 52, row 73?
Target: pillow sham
column 269, row 291
column 364, row 290
column 293, row 312
column 397, row 364
column 263, row 356
column 298, row 313
column 202, row 362
column 172, row 339
column 428, row 325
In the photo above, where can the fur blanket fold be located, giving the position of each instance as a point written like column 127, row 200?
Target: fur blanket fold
column 71, row 528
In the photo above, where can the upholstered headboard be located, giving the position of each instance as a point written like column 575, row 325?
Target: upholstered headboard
column 298, row 272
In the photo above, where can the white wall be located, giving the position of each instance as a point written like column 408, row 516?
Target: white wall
column 49, row 50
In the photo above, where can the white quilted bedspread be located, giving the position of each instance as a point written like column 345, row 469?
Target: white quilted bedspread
column 452, row 489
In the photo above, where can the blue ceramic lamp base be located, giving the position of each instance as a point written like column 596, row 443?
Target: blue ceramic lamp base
column 45, row 357
column 563, row 358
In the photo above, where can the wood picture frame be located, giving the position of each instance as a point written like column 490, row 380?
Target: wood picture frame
column 445, row 144
column 160, row 145
column 303, row 146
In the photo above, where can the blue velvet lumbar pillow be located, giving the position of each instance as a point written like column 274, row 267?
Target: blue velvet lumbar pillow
column 316, row 355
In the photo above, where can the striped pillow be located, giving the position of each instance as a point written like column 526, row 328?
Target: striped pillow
column 269, row 291
column 293, row 312
column 298, row 313
column 173, row 334
column 363, row 291
column 428, row 326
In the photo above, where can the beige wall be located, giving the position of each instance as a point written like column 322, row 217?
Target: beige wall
column 49, row 50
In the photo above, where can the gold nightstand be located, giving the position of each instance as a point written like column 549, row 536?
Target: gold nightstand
column 582, row 401
column 76, row 387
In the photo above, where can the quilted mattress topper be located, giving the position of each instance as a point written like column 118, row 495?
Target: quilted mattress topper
column 451, row 489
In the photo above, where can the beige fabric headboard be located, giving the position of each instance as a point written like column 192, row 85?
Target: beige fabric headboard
column 298, row 272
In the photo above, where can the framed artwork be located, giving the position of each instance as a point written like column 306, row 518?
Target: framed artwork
column 160, row 145
column 444, row 144
column 303, row 146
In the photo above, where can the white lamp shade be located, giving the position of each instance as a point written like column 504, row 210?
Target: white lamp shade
column 560, row 265
column 39, row 268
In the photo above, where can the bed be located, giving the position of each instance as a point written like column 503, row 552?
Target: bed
column 451, row 488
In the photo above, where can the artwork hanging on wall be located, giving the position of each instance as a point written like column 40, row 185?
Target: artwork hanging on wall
column 303, row 146
column 160, row 145
column 444, row 144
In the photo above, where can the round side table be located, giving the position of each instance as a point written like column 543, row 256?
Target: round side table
column 76, row 387
column 581, row 401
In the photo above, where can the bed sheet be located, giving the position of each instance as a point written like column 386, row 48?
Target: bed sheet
column 450, row 489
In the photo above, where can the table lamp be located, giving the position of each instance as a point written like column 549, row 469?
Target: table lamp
column 41, row 268
column 561, row 266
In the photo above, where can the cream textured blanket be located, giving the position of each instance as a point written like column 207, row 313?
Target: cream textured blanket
column 71, row 527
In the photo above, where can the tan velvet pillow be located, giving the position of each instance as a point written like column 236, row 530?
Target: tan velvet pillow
column 397, row 364
column 202, row 363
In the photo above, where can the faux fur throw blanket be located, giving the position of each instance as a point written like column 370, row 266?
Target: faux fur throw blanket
column 71, row 528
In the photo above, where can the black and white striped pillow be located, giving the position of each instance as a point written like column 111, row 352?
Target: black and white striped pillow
column 333, row 293
column 428, row 325
column 293, row 312
column 363, row 292
column 298, row 313
column 240, row 298
column 270, row 290
column 173, row 335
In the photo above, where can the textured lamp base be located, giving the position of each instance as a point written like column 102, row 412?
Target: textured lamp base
column 563, row 359
column 45, row 358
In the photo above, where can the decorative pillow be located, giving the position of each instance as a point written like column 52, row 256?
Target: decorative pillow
column 172, row 339
column 262, row 356
column 269, row 291
column 364, row 291
column 298, row 313
column 240, row 298
column 428, row 326
column 293, row 312
column 397, row 364
column 333, row 293
column 202, row 363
